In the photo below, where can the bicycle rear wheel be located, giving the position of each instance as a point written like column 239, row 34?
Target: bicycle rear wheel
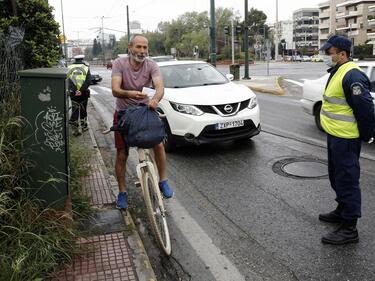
column 155, row 213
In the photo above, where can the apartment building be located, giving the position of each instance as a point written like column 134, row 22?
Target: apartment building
column 354, row 19
column 306, row 30
column 285, row 29
column 327, row 19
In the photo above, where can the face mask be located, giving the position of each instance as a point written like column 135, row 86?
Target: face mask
column 328, row 61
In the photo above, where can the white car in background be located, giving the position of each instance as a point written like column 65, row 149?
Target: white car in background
column 313, row 91
column 203, row 106
column 306, row 58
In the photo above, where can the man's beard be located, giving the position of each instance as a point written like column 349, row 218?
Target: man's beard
column 138, row 58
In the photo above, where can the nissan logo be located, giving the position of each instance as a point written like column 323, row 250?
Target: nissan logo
column 228, row 108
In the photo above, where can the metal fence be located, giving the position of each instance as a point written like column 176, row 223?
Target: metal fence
column 10, row 64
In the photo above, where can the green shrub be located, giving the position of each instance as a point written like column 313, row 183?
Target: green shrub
column 34, row 242
column 40, row 43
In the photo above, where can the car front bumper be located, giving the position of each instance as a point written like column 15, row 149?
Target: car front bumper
column 307, row 106
column 202, row 129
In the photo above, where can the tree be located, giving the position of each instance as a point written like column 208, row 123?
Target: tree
column 95, row 48
column 121, row 46
column 185, row 24
column 40, row 42
column 256, row 20
column 223, row 18
column 156, row 43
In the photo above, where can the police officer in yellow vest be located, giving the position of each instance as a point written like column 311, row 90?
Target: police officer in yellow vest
column 347, row 116
column 79, row 81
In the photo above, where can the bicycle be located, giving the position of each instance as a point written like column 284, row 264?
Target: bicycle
column 148, row 180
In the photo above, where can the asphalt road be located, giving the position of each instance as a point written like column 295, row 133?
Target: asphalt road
column 234, row 218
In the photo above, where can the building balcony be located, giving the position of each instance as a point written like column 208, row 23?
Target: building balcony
column 371, row 23
column 306, row 18
column 324, row 4
column 307, row 44
column 353, row 33
column 323, row 36
column 324, row 26
column 350, row 14
column 342, row 28
column 305, row 26
column 353, row 25
column 371, row 9
column 324, row 15
column 371, row 36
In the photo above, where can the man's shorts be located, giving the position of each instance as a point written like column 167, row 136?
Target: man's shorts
column 119, row 140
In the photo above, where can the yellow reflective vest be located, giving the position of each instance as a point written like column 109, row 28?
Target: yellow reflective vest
column 77, row 73
column 336, row 116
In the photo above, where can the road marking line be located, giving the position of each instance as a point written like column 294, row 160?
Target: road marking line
column 218, row 264
column 294, row 82
column 106, row 116
column 104, row 88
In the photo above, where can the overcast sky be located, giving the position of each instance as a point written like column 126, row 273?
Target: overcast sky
column 83, row 18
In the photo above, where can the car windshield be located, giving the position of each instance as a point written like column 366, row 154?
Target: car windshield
column 191, row 75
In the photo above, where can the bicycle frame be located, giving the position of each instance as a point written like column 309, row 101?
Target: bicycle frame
column 144, row 161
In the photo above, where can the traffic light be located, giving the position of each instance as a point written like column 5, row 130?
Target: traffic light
column 226, row 29
column 238, row 29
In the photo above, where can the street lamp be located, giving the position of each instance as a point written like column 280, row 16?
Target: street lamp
column 277, row 31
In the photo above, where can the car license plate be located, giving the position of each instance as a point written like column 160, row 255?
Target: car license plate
column 230, row 124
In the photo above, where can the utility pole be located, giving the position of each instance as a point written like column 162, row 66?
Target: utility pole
column 62, row 16
column 127, row 22
column 213, row 34
column 232, row 33
column 103, row 43
column 277, row 31
column 246, row 42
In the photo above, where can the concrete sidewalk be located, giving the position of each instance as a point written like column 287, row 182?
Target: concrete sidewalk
column 264, row 84
column 114, row 251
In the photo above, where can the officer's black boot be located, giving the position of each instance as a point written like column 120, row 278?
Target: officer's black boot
column 345, row 234
column 84, row 125
column 332, row 217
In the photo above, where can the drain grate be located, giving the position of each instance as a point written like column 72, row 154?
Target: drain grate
column 301, row 168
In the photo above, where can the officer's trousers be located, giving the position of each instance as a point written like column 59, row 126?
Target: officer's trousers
column 344, row 172
column 79, row 109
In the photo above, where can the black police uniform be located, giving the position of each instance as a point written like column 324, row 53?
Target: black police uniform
column 79, row 103
column 345, row 181
column 343, row 154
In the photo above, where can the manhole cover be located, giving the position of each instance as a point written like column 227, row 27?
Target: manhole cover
column 301, row 168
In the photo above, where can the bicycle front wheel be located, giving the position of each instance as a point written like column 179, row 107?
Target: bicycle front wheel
column 155, row 211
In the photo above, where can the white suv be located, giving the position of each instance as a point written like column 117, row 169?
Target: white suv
column 313, row 91
column 203, row 106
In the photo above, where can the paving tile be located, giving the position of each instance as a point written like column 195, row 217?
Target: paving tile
column 103, row 257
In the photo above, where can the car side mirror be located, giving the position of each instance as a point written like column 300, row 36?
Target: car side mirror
column 229, row 76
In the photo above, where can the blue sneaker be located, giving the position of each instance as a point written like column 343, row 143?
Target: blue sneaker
column 121, row 201
column 166, row 189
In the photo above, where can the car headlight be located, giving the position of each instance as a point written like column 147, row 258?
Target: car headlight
column 187, row 109
column 253, row 102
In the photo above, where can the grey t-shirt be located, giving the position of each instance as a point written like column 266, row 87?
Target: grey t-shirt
column 134, row 80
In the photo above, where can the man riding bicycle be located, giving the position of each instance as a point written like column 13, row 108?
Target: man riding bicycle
column 129, row 75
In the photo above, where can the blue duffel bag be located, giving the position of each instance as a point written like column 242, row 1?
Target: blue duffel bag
column 140, row 126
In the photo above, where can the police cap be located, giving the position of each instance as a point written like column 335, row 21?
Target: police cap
column 337, row 41
column 79, row 57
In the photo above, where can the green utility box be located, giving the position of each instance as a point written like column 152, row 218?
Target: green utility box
column 234, row 69
column 44, row 104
